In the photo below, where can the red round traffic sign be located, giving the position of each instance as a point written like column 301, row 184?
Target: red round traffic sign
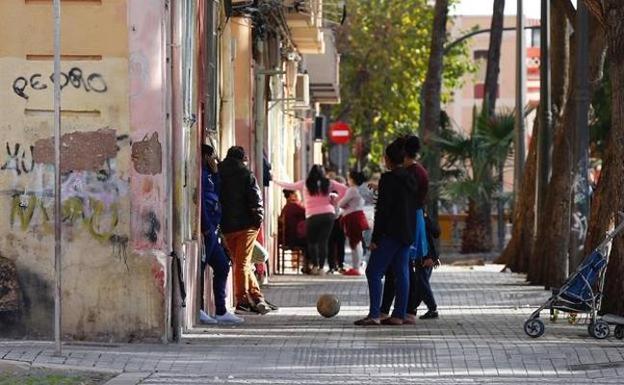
column 339, row 133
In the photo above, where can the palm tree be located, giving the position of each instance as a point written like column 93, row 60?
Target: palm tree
column 609, row 196
column 473, row 163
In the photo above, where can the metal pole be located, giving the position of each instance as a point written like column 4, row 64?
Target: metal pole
column 57, row 176
column 340, row 160
column 520, row 98
column 581, row 193
column 545, row 127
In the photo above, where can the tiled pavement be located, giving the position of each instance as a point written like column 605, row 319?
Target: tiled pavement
column 478, row 339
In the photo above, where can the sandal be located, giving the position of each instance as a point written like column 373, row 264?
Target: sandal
column 367, row 322
column 392, row 321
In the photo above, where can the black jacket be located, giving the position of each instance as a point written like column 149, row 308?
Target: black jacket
column 395, row 211
column 433, row 233
column 241, row 199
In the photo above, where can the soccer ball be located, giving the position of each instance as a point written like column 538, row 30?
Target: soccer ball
column 328, row 305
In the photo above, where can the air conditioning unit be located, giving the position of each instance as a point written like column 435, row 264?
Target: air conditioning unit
column 302, row 91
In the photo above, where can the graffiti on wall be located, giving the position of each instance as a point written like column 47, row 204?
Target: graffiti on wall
column 91, row 188
column 19, row 158
column 88, row 198
column 24, row 86
column 146, row 224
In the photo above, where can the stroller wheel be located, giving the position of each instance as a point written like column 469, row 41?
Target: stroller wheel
column 599, row 329
column 534, row 328
column 619, row 332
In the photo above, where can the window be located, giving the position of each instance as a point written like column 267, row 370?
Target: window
column 480, row 54
column 479, row 91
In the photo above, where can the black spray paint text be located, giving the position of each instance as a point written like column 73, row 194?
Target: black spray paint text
column 75, row 78
column 19, row 158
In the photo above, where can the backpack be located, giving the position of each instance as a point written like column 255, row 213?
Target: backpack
column 420, row 248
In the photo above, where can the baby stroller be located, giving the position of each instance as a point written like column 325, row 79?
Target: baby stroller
column 582, row 292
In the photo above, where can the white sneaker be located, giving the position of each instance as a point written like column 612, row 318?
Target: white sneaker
column 205, row 319
column 229, row 318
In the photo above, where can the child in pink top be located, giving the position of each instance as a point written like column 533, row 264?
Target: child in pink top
column 320, row 212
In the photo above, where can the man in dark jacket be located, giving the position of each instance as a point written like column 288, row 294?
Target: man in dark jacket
column 243, row 212
column 393, row 233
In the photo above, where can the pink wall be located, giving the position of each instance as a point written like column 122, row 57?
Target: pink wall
column 147, row 125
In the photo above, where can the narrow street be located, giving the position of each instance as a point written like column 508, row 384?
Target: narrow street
column 478, row 339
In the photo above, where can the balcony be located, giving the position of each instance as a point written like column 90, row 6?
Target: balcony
column 305, row 21
column 323, row 70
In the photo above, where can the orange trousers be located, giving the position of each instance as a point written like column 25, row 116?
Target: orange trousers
column 240, row 245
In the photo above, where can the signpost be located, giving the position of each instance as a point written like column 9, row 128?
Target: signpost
column 340, row 135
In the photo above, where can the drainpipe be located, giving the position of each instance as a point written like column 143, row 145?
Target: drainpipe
column 211, row 50
column 168, row 164
column 177, row 167
column 260, row 111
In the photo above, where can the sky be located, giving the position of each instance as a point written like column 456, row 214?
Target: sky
column 484, row 7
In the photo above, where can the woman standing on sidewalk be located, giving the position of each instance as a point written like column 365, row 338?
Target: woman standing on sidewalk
column 393, row 234
column 422, row 255
column 320, row 213
column 354, row 220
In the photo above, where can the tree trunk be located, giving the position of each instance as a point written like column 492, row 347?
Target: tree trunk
column 493, row 60
column 520, row 249
column 517, row 252
column 432, row 89
column 477, row 235
column 560, row 81
column 552, row 246
column 559, row 57
column 489, row 101
column 609, row 197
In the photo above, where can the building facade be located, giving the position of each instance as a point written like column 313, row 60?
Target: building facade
column 144, row 84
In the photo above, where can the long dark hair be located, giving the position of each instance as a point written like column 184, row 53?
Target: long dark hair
column 317, row 183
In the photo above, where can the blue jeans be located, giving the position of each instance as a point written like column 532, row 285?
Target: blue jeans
column 423, row 292
column 419, row 290
column 220, row 264
column 389, row 253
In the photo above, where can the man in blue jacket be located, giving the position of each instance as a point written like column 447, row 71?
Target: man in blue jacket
column 214, row 254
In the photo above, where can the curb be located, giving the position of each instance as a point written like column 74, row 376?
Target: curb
column 132, row 378
column 121, row 377
column 92, row 369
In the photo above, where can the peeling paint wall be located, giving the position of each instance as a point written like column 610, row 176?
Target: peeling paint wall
column 148, row 127
column 112, row 186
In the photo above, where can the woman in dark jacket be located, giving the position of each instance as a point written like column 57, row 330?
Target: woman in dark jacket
column 393, row 233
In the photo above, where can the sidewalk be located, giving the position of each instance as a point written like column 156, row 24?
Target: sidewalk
column 478, row 339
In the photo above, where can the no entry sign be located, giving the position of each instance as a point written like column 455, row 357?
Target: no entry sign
column 339, row 133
